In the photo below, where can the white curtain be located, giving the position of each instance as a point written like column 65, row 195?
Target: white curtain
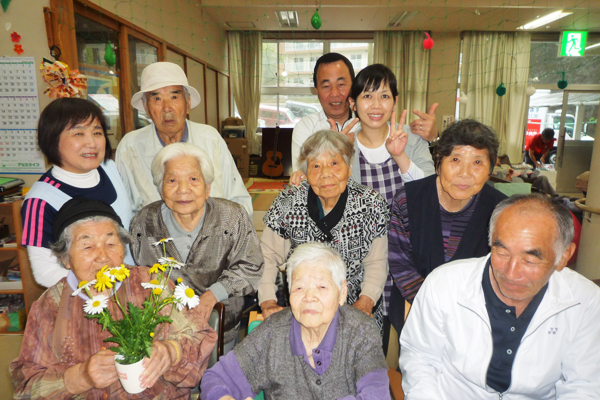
column 403, row 53
column 489, row 59
column 245, row 56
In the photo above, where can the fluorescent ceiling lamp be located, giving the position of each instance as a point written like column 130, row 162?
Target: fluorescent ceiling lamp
column 287, row 18
column 401, row 18
column 592, row 46
column 545, row 20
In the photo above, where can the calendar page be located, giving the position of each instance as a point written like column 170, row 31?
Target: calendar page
column 19, row 114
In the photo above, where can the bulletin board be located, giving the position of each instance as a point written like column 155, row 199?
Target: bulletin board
column 19, row 114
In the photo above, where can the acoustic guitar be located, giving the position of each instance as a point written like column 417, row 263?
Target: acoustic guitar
column 273, row 167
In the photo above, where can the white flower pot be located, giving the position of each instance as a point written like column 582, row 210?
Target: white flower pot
column 129, row 375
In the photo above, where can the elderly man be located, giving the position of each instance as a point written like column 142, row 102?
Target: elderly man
column 167, row 98
column 515, row 324
column 332, row 77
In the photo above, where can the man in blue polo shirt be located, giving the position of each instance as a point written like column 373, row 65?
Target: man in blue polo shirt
column 515, row 324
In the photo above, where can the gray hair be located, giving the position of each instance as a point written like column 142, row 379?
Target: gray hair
column 317, row 254
column 63, row 245
column 326, row 141
column 147, row 94
column 178, row 150
column 533, row 203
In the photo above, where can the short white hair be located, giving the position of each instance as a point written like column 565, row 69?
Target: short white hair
column 317, row 254
column 178, row 150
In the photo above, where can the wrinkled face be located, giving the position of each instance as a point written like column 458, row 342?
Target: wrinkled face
column 95, row 244
column 168, row 107
column 82, row 147
column 523, row 256
column 315, row 297
column 328, row 175
column 464, row 172
column 333, row 87
column 374, row 108
column 184, row 190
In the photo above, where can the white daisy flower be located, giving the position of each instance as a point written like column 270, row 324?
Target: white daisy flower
column 96, row 304
column 153, row 284
column 162, row 241
column 83, row 285
column 170, row 261
column 185, row 297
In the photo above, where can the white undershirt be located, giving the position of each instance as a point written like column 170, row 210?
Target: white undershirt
column 83, row 181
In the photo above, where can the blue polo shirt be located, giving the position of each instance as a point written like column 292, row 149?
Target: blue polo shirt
column 507, row 332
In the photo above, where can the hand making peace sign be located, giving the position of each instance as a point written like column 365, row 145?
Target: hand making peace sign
column 425, row 126
column 396, row 142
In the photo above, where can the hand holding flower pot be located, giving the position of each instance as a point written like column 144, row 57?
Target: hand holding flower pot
column 140, row 360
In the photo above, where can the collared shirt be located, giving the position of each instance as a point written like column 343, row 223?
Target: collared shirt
column 184, row 138
column 322, row 353
column 507, row 332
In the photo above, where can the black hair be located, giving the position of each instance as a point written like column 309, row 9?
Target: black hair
column 63, row 114
column 371, row 77
column 467, row 132
column 548, row 134
column 331, row 58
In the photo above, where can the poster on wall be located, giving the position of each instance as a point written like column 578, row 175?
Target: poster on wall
column 19, row 114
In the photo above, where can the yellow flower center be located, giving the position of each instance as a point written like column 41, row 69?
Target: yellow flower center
column 179, row 280
column 157, row 291
column 96, row 303
column 151, row 334
column 154, row 282
column 82, row 283
column 189, row 292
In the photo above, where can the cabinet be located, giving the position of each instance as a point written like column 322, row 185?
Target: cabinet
column 28, row 287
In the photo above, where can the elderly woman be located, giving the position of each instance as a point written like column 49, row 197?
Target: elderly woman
column 213, row 238
column 329, row 208
column 321, row 348
column 72, row 136
column 443, row 217
column 62, row 355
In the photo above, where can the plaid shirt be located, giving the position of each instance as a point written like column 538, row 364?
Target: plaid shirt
column 384, row 178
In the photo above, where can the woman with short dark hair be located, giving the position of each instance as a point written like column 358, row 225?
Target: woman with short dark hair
column 72, row 135
column 443, row 217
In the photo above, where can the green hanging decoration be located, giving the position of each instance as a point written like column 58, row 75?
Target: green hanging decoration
column 501, row 90
column 5, row 4
column 562, row 84
column 315, row 21
column 109, row 55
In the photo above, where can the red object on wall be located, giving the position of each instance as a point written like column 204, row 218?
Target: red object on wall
column 428, row 43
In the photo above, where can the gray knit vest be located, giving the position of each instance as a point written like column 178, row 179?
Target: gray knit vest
column 265, row 357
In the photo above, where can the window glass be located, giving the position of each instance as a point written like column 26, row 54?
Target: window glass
column 545, row 65
column 360, row 54
column 141, row 54
column 103, row 79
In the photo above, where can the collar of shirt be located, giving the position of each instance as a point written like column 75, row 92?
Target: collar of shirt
column 74, row 284
column 184, row 138
column 323, row 352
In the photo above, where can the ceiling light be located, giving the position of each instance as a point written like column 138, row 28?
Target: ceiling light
column 401, row 18
column 546, row 19
column 242, row 25
column 287, row 19
column 592, row 46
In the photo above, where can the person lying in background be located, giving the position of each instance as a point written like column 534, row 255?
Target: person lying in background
column 320, row 348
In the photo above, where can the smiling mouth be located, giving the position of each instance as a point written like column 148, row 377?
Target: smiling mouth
column 89, row 155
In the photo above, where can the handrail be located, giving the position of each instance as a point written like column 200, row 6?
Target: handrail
column 580, row 203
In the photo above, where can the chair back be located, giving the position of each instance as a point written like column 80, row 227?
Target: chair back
column 217, row 321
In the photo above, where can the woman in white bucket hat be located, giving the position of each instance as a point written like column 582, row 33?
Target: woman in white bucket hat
column 167, row 98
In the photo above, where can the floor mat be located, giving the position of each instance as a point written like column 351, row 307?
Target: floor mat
column 262, row 201
column 258, row 185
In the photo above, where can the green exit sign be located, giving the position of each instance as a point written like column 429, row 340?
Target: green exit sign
column 573, row 44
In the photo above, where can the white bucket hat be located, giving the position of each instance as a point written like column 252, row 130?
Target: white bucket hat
column 160, row 75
